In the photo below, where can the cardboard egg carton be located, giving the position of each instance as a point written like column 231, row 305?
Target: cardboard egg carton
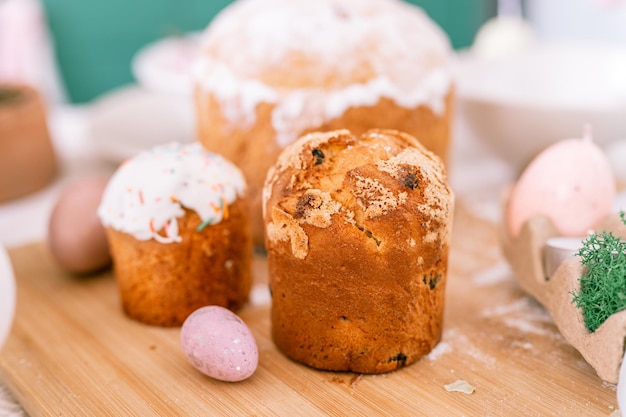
column 602, row 349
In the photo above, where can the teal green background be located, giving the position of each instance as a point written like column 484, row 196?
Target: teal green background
column 95, row 40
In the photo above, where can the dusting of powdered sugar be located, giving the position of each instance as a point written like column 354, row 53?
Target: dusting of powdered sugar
column 452, row 339
column 388, row 49
column 526, row 326
column 260, row 295
column 469, row 348
column 496, row 274
column 522, row 345
column 441, row 349
column 525, row 315
column 522, row 306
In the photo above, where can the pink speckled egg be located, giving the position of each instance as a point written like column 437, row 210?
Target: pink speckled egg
column 570, row 182
column 219, row 344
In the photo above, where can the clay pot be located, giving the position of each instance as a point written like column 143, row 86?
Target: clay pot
column 27, row 160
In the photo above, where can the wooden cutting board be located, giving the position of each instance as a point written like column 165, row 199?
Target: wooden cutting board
column 73, row 353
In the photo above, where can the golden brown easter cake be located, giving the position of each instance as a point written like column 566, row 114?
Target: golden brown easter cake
column 358, row 233
column 272, row 70
column 177, row 222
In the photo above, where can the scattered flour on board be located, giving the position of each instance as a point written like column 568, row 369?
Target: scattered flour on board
column 453, row 340
column 526, row 326
column 441, row 349
column 524, row 306
column 498, row 273
column 516, row 306
column 525, row 315
column 260, row 295
column 523, row 345
column 484, row 207
column 474, row 352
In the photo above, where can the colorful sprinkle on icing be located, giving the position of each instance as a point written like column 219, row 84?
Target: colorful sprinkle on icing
column 204, row 224
column 148, row 192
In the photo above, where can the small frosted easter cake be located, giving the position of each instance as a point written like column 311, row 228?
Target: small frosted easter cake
column 177, row 222
column 272, row 70
column 358, row 232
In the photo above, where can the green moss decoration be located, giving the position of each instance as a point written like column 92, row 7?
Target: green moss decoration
column 603, row 287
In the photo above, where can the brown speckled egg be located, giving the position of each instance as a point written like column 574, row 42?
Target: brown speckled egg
column 76, row 237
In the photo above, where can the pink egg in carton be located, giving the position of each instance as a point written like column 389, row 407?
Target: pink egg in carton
column 564, row 194
column 526, row 253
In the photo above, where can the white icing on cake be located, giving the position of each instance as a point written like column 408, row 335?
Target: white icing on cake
column 393, row 49
column 148, row 192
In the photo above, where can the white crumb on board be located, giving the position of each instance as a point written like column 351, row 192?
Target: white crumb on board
column 523, row 345
column 260, row 295
column 490, row 276
column 460, row 385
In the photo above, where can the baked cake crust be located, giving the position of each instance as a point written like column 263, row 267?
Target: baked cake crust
column 162, row 284
column 358, row 231
column 176, row 218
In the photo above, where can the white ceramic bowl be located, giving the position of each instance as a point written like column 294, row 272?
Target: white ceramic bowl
column 166, row 65
column 521, row 103
column 132, row 119
column 159, row 109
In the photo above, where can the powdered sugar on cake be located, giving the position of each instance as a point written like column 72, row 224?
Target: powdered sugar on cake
column 435, row 206
column 149, row 192
column 348, row 53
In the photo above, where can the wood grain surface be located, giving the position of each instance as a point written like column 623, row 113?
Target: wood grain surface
column 72, row 352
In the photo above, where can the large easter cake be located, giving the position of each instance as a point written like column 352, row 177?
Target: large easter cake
column 358, row 232
column 272, row 70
